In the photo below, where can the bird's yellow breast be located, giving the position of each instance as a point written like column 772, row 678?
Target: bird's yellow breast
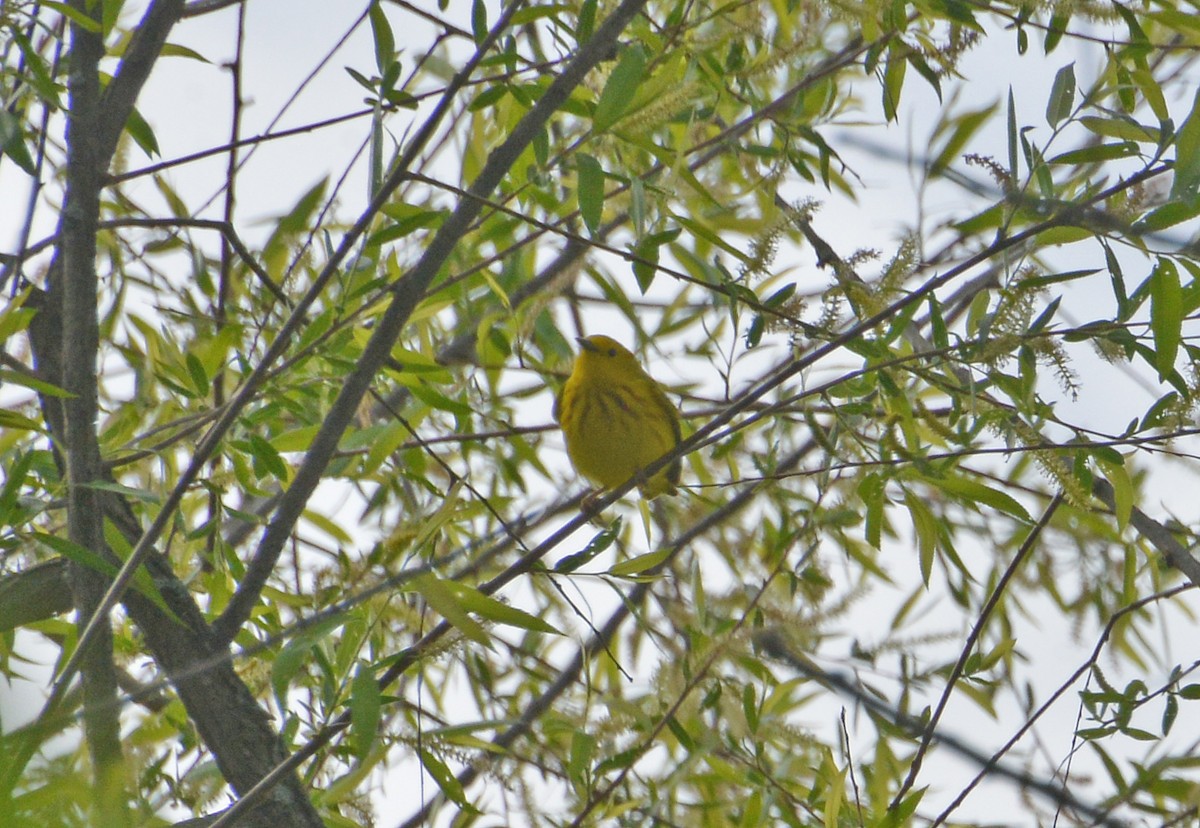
column 617, row 421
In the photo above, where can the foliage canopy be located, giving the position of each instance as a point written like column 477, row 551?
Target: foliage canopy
column 309, row 468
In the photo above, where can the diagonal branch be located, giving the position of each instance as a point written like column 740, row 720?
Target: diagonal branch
column 149, row 35
column 774, row 645
column 232, row 725
column 1034, row 536
column 406, row 294
column 1160, row 536
column 602, row 638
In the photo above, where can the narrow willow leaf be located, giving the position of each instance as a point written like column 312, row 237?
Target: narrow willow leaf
column 474, row 601
column 975, row 492
column 439, row 596
column 1096, row 154
column 1055, row 32
column 619, row 90
column 599, row 542
column 12, row 142
column 586, row 21
column 1170, row 214
column 870, row 490
column 893, row 84
column 638, row 565
column 1062, row 95
column 1187, row 153
column 925, row 529
column 381, row 32
column 1118, row 476
column 1013, row 158
column 479, row 20
column 446, row 780
column 1124, row 128
column 591, row 190
column 583, row 750
column 1166, row 315
column 365, row 711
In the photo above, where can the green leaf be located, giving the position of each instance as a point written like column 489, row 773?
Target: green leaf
column 365, row 711
column 440, row 401
column 639, row 564
column 899, row 815
column 1166, row 315
column 1055, row 31
column 297, row 439
column 645, row 267
column 1062, row 95
column 583, row 749
column 139, row 129
column 599, row 542
column 619, row 90
column 125, row 491
column 408, row 220
column 488, row 96
column 37, row 72
column 266, row 455
column 586, row 21
column 179, row 50
column 14, row 478
column 1139, row 734
column 540, row 12
column 487, row 607
column 76, row 16
column 196, row 371
column 974, row 491
column 1170, row 712
column 965, row 128
column 925, row 529
column 13, row 420
column 1096, row 154
column 1118, row 476
column 918, row 62
column 15, row 317
column 291, row 658
column 870, row 490
column 12, row 142
column 590, row 190
column 446, row 780
column 479, row 21
column 1169, row 214
column 1039, row 282
column 445, row 597
column 1157, row 413
column 381, row 32
column 142, row 583
column 1013, row 156
column 893, row 83
column 1121, row 127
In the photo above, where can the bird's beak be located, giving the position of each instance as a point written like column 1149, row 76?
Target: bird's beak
column 586, row 345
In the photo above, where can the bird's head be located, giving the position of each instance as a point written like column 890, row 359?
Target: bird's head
column 601, row 354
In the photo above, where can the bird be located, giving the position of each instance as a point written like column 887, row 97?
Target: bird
column 616, row 419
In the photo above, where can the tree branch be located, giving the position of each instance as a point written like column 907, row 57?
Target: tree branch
column 774, row 645
column 407, row 293
column 1160, row 537
column 600, row 640
column 141, row 54
column 76, row 286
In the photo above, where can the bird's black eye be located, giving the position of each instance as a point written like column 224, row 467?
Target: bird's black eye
column 612, row 351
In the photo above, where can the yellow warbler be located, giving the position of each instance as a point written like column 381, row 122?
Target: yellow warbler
column 616, row 419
